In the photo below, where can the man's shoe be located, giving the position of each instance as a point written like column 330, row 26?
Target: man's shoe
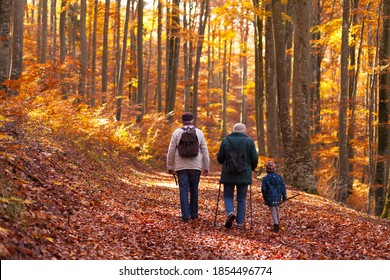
column 276, row 228
column 185, row 220
column 229, row 221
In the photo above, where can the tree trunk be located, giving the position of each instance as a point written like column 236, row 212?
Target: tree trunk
column 117, row 45
column 105, row 51
column 383, row 161
column 17, row 40
column 259, row 81
column 53, row 27
column 63, row 48
column 304, row 171
column 94, row 35
column 83, row 50
column 224, row 89
column 140, row 62
column 283, row 93
column 159, row 57
column 173, row 50
column 204, row 15
column 187, row 59
column 273, row 135
column 43, row 53
column 62, row 31
column 343, row 176
column 372, row 132
column 122, row 67
column 5, row 27
column 244, row 68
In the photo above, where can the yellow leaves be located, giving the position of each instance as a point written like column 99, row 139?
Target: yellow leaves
column 4, row 119
column 4, row 231
column 5, row 137
column 15, row 200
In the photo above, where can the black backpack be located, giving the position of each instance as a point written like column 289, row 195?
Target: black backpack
column 235, row 161
column 189, row 143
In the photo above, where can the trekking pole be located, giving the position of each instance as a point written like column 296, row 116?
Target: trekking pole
column 250, row 202
column 293, row 196
column 216, row 210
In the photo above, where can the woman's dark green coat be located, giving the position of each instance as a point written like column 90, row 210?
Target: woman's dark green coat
column 248, row 149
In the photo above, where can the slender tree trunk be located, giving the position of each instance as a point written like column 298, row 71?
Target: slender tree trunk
column 244, row 69
column 39, row 30
column 159, row 57
column 352, row 96
column 343, row 176
column 5, row 27
column 83, row 50
column 382, row 202
column 17, row 40
column 117, row 45
column 224, row 89
column 204, row 15
column 173, row 50
column 259, row 81
column 133, row 58
column 371, row 120
column 283, row 93
column 53, row 27
column 187, row 59
column 315, row 78
column 43, row 54
column 63, row 48
column 140, row 62
column 94, row 49
column 62, row 31
column 105, row 51
column 122, row 67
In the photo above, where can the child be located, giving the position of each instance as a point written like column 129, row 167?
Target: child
column 274, row 192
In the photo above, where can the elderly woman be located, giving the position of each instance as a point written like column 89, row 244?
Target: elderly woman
column 237, row 140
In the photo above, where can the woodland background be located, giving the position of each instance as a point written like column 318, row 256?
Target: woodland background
column 310, row 79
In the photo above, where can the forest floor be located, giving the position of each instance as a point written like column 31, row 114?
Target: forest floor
column 71, row 199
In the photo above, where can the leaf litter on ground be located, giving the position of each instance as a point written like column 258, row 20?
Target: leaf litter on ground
column 88, row 201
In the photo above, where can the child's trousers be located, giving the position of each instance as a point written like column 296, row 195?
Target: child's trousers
column 275, row 214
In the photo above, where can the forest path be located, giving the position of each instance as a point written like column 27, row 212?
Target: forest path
column 71, row 199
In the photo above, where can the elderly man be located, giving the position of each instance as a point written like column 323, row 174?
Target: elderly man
column 237, row 140
column 188, row 167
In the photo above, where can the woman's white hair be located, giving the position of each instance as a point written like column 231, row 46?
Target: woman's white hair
column 239, row 127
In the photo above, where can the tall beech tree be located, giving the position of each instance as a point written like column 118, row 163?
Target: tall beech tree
column 283, row 93
column 304, row 171
column 343, row 166
column 173, row 50
column 203, row 16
